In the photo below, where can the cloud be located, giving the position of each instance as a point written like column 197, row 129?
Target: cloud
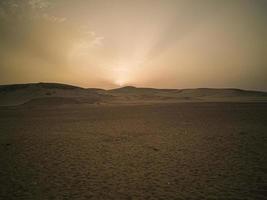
column 85, row 42
column 39, row 4
column 36, row 42
column 53, row 18
column 92, row 37
column 97, row 41
column 28, row 10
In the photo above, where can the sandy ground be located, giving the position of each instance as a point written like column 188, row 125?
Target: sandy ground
column 164, row 151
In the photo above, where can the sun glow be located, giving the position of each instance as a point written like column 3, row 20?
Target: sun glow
column 121, row 75
column 119, row 82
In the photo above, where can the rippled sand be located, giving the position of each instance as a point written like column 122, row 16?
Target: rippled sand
column 164, row 151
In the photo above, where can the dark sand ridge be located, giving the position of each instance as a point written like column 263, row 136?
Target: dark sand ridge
column 54, row 93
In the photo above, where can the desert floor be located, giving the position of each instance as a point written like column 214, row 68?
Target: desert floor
column 160, row 151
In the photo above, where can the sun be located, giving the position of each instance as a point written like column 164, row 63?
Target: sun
column 120, row 82
column 121, row 75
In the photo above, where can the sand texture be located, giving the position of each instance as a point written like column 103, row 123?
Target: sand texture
column 158, row 151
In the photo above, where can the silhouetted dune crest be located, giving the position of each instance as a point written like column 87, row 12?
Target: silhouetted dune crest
column 22, row 93
column 13, row 87
column 68, row 94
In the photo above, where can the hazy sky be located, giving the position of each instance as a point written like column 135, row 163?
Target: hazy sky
column 149, row 43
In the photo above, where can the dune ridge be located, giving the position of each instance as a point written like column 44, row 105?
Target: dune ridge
column 54, row 93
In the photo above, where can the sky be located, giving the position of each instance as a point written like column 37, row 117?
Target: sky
column 143, row 43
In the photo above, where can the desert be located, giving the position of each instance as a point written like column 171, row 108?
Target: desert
column 109, row 149
column 133, row 100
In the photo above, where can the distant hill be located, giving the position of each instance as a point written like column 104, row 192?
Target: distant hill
column 61, row 94
column 200, row 91
column 10, row 88
column 52, row 93
column 130, row 93
column 132, row 89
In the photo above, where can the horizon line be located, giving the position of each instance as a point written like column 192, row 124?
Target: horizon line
column 133, row 86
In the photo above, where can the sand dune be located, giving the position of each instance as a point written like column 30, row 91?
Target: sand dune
column 39, row 93
column 51, row 101
column 133, row 94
